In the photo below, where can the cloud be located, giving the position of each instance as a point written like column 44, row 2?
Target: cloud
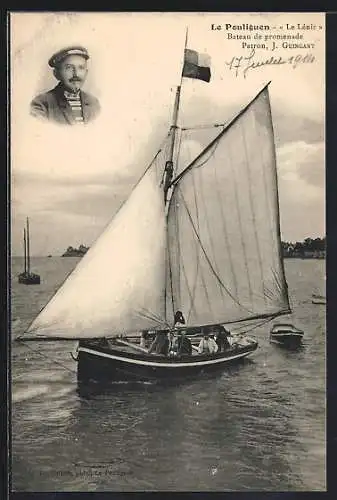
column 288, row 126
column 303, row 162
column 97, row 196
column 301, row 189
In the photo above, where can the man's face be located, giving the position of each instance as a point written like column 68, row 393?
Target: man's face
column 72, row 72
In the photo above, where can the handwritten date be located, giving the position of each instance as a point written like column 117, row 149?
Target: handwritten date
column 243, row 64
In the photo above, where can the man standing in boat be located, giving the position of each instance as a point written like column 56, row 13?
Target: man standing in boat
column 67, row 104
column 180, row 343
column 179, row 319
column 222, row 338
column 174, row 342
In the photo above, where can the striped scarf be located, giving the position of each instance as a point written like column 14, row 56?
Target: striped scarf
column 74, row 101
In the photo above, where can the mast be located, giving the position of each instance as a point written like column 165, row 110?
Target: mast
column 169, row 168
column 28, row 254
column 24, row 250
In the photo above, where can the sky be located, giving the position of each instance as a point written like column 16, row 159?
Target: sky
column 71, row 180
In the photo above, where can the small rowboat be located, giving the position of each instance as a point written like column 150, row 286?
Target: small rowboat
column 318, row 299
column 286, row 334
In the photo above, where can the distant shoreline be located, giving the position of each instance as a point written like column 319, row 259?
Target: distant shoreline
column 308, row 249
column 75, row 252
column 303, row 257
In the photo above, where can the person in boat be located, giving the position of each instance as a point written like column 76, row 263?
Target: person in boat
column 179, row 344
column 168, row 173
column 144, row 339
column 179, row 319
column 184, row 345
column 222, row 338
column 67, row 104
column 207, row 344
column 161, row 344
column 174, row 349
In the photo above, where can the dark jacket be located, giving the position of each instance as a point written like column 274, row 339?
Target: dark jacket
column 160, row 345
column 53, row 106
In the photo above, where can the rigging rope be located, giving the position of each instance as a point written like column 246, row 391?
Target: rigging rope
column 225, row 232
column 211, row 239
column 209, row 261
column 198, row 267
column 200, row 127
column 50, row 359
column 251, row 202
column 212, row 152
column 261, row 323
column 241, row 233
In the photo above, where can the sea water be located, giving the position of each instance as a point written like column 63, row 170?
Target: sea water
column 257, row 426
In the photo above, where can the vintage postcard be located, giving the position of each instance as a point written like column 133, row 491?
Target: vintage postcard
column 167, row 251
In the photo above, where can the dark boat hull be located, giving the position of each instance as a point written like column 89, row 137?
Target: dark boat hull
column 29, row 279
column 287, row 340
column 286, row 335
column 107, row 364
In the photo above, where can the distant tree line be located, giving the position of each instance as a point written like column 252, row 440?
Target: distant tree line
column 75, row 252
column 309, row 248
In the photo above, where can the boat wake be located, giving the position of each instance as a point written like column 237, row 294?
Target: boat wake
column 29, row 393
column 33, row 389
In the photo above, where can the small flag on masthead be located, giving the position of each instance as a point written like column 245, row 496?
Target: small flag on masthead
column 197, row 65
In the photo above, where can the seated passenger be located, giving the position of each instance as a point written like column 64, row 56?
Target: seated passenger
column 230, row 338
column 161, row 343
column 143, row 339
column 174, row 344
column 207, row 345
column 180, row 344
column 185, row 345
column 222, row 338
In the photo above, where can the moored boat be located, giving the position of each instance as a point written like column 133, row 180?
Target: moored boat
column 27, row 277
column 286, row 334
column 317, row 298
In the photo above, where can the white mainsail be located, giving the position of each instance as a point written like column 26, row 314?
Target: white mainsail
column 225, row 261
column 119, row 285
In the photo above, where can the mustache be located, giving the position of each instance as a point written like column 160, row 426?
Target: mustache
column 75, row 79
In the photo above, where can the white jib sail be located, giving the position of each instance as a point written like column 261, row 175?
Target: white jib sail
column 119, row 285
column 224, row 246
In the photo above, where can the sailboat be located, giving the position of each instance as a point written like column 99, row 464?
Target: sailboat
column 27, row 277
column 201, row 239
column 319, row 295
